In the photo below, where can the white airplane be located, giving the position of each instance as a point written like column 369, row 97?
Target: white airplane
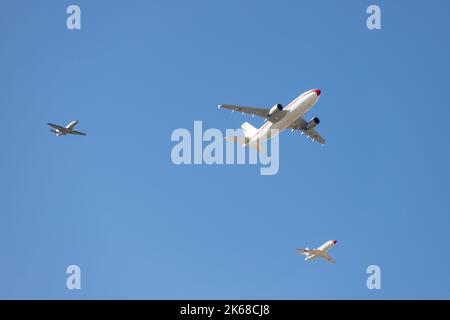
column 61, row 131
column 279, row 118
column 321, row 251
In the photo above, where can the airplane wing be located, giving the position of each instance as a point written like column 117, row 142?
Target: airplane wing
column 262, row 112
column 76, row 132
column 300, row 125
column 326, row 256
column 56, row 126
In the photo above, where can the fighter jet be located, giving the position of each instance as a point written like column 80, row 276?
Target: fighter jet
column 319, row 252
column 61, row 131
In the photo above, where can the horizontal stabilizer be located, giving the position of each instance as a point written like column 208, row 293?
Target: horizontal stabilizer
column 308, row 251
column 241, row 140
column 77, row 132
column 244, row 141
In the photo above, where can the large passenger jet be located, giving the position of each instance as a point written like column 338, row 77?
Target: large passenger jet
column 279, row 118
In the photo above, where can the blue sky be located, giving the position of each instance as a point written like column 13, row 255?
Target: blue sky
column 140, row 227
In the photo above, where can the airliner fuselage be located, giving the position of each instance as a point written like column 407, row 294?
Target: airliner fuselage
column 292, row 112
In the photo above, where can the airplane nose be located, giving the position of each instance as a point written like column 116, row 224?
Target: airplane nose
column 334, row 241
column 317, row 91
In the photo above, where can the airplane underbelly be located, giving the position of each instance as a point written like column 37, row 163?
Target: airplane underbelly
column 263, row 135
column 285, row 122
column 279, row 126
column 302, row 108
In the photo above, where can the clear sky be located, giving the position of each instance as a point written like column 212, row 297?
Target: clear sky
column 141, row 227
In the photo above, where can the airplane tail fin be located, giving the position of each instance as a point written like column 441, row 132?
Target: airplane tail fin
column 305, row 253
column 249, row 130
column 307, row 256
column 302, row 251
column 249, row 133
column 241, row 140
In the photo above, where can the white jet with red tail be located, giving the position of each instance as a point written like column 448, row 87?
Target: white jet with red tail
column 321, row 252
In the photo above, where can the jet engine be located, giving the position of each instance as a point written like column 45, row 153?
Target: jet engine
column 312, row 123
column 275, row 109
